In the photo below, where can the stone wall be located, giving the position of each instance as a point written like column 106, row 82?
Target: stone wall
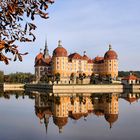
column 69, row 88
column 87, row 88
column 76, row 88
column 13, row 87
column 136, row 88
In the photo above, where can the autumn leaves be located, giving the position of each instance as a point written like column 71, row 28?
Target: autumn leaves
column 14, row 25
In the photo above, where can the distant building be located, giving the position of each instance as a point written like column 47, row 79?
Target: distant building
column 131, row 79
column 75, row 64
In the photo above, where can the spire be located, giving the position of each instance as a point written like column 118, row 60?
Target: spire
column 46, row 45
column 46, row 51
column 110, row 47
column 46, row 121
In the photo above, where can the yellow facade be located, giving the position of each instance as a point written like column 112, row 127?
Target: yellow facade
column 76, row 64
column 66, row 66
column 61, row 107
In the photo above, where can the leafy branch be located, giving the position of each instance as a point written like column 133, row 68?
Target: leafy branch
column 13, row 26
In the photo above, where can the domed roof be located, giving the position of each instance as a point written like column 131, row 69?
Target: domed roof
column 111, row 118
column 76, row 116
column 39, row 56
column 60, row 121
column 110, row 54
column 60, row 51
column 99, row 112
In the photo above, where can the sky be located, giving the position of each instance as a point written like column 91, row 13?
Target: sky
column 86, row 25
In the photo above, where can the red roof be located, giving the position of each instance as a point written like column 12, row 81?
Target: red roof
column 130, row 77
column 60, row 121
column 110, row 54
column 98, row 59
column 76, row 116
column 111, row 118
column 40, row 62
column 60, row 52
column 39, row 56
column 90, row 61
column 85, row 57
column 131, row 100
column 75, row 56
column 99, row 112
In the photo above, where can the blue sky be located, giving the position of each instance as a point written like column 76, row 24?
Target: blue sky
column 89, row 25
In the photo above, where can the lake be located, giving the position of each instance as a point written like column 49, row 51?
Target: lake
column 41, row 116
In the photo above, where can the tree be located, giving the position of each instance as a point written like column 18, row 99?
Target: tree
column 44, row 79
column 15, row 27
column 57, row 77
column 84, row 75
column 1, row 77
column 57, row 100
column 81, row 77
column 19, row 77
column 108, row 77
column 72, row 77
column 92, row 78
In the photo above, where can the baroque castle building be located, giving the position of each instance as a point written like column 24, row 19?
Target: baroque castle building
column 66, row 64
column 61, row 107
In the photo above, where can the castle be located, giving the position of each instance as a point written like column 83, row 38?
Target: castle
column 64, row 64
column 63, row 107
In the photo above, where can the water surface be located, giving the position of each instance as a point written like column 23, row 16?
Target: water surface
column 69, row 117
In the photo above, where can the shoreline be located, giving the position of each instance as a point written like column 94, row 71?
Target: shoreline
column 74, row 88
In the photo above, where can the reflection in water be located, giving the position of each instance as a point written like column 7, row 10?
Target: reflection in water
column 61, row 107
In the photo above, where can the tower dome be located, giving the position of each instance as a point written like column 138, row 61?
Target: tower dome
column 39, row 56
column 60, row 51
column 60, row 122
column 110, row 54
column 111, row 118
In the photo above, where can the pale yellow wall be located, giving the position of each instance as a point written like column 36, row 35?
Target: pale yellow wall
column 113, row 106
column 62, row 109
column 65, row 68
column 109, row 67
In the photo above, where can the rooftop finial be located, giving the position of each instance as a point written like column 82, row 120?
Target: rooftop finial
column 110, row 125
column 60, row 129
column 110, row 47
column 40, row 50
column 59, row 43
column 84, row 52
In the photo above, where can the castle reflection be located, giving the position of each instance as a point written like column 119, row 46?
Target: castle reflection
column 61, row 107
